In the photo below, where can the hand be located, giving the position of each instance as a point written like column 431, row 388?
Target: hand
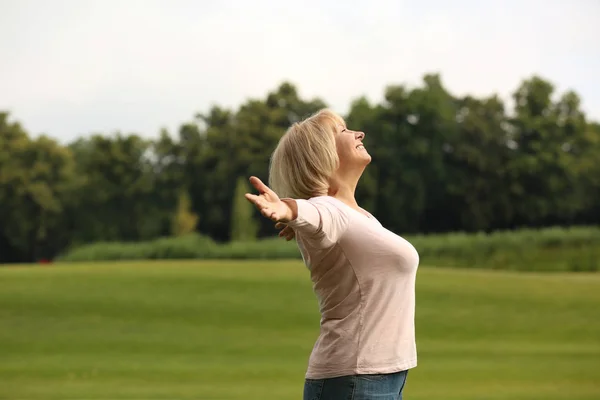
column 285, row 232
column 268, row 203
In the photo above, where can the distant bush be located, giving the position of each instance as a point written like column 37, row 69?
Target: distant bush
column 552, row 249
column 192, row 246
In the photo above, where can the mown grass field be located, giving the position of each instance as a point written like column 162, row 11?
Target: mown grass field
column 244, row 330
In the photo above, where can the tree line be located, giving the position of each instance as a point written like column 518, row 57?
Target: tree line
column 440, row 163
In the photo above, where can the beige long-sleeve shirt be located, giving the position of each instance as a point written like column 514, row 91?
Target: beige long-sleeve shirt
column 364, row 278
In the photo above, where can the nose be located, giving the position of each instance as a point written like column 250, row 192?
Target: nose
column 360, row 135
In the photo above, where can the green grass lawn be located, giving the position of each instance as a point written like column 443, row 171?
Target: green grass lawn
column 244, row 330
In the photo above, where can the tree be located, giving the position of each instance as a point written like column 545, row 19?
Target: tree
column 209, row 164
column 406, row 136
column 243, row 225
column 545, row 191
column 37, row 180
column 222, row 145
column 478, row 185
column 117, row 200
column 439, row 163
column 587, row 168
column 170, row 188
column 184, row 221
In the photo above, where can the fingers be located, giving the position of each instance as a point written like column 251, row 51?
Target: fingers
column 259, row 185
column 265, row 209
column 269, row 213
column 258, row 201
column 290, row 235
column 251, row 198
column 267, row 202
column 287, row 232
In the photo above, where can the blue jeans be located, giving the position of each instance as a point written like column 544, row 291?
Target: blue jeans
column 357, row 387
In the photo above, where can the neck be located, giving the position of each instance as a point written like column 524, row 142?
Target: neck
column 343, row 189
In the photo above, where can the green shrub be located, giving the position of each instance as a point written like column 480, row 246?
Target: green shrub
column 552, row 249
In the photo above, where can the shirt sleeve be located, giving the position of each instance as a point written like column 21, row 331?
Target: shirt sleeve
column 321, row 223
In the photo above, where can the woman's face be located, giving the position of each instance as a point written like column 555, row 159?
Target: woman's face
column 350, row 149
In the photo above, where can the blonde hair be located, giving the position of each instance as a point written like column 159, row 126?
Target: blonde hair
column 306, row 157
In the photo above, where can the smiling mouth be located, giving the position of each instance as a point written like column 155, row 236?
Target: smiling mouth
column 360, row 147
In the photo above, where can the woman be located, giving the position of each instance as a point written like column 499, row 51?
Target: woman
column 363, row 274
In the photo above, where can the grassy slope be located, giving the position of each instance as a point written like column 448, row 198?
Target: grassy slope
column 244, row 330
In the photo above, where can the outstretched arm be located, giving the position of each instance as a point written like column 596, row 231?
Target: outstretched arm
column 323, row 224
column 270, row 205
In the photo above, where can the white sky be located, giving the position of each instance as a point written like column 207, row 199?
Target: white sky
column 72, row 68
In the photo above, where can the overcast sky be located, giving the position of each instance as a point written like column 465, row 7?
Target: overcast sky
column 72, row 68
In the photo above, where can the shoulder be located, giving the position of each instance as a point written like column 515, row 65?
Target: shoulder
column 327, row 200
column 332, row 204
